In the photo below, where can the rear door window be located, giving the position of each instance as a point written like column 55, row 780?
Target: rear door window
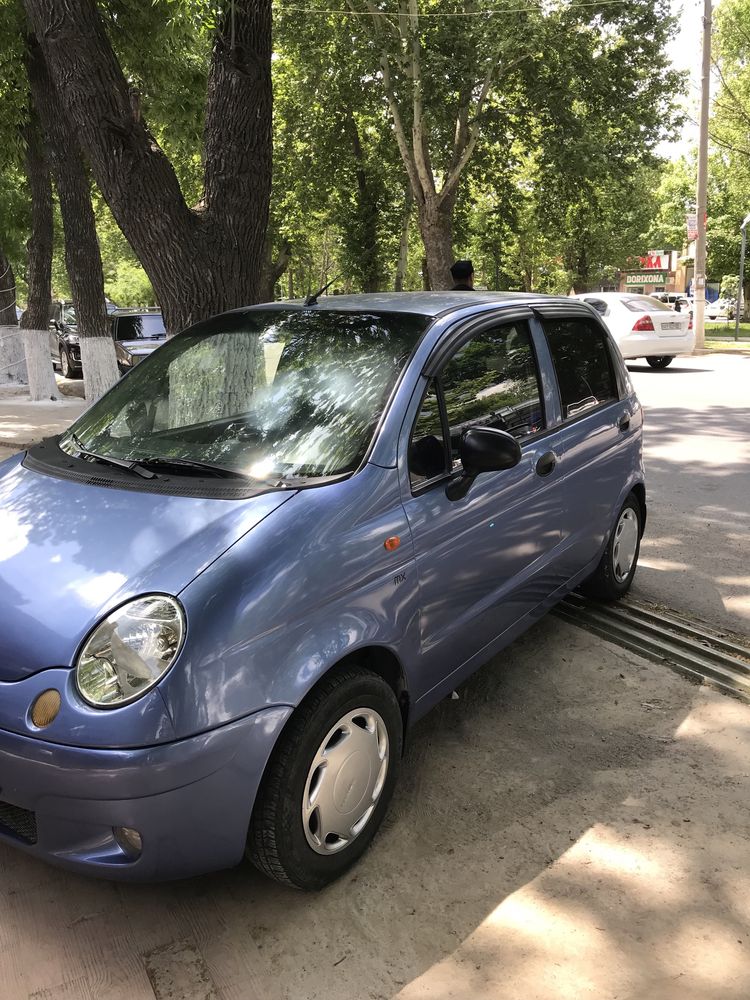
column 585, row 373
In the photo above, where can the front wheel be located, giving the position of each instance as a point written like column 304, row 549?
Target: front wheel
column 327, row 786
column 66, row 365
column 660, row 361
column 614, row 574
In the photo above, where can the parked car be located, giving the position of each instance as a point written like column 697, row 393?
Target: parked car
column 137, row 332
column 234, row 584
column 642, row 326
column 673, row 299
column 721, row 309
column 64, row 342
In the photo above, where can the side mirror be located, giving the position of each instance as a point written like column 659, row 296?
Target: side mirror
column 483, row 449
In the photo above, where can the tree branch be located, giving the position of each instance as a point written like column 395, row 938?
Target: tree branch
column 739, row 105
column 471, row 133
column 419, row 139
column 407, row 154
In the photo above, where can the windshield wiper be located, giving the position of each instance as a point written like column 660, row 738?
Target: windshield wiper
column 208, row 468
column 118, row 463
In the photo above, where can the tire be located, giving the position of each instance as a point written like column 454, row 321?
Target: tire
column 66, row 365
column 609, row 582
column 280, row 837
column 660, row 361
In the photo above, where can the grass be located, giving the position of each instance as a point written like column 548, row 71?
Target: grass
column 727, row 330
column 728, row 345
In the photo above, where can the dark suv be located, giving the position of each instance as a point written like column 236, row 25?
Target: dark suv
column 137, row 332
column 63, row 337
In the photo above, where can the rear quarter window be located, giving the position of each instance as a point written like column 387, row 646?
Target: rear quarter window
column 645, row 304
column 583, row 365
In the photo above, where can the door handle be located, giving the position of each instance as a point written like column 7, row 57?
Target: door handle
column 546, row 463
column 624, row 422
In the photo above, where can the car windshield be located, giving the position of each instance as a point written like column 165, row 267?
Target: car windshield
column 645, row 304
column 148, row 326
column 266, row 394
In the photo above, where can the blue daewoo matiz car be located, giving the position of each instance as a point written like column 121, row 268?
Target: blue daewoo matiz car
column 231, row 587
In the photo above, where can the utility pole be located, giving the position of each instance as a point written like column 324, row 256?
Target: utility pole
column 738, row 307
column 700, row 247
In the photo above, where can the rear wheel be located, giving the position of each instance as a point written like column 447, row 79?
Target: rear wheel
column 614, row 574
column 327, row 786
column 660, row 361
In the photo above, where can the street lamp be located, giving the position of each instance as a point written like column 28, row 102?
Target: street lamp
column 743, row 230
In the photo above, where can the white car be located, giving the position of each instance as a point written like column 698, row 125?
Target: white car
column 643, row 327
column 721, row 308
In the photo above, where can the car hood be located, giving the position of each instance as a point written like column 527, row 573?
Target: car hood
column 143, row 345
column 70, row 552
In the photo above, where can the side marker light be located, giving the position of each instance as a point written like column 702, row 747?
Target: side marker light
column 45, row 708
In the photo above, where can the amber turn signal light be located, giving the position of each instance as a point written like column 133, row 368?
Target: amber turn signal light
column 392, row 543
column 45, row 708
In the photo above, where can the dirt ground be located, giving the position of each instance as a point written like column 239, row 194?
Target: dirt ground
column 574, row 826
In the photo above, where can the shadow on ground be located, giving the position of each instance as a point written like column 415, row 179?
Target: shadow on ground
column 695, row 551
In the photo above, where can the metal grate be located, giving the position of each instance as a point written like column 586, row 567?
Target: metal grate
column 689, row 646
column 18, row 822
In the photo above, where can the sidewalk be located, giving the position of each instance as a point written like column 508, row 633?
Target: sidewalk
column 24, row 424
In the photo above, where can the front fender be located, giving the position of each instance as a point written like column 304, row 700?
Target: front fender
column 302, row 591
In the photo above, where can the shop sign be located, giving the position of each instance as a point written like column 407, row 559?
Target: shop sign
column 656, row 260
column 648, row 278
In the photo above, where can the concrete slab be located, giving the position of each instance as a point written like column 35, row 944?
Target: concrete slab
column 23, row 423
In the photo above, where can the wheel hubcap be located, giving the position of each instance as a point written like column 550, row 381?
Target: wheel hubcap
column 345, row 781
column 625, row 545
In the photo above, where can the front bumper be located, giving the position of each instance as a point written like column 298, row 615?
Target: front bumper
column 191, row 800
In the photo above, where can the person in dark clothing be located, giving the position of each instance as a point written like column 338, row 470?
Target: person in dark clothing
column 463, row 276
column 677, row 306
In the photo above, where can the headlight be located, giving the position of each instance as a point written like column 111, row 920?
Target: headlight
column 130, row 650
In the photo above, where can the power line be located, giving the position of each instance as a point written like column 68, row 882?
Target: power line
column 529, row 8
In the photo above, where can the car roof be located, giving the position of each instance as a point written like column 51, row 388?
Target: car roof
column 430, row 304
column 611, row 295
column 135, row 312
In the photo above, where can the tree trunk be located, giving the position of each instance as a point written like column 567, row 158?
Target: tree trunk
column 403, row 249
column 436, row 227
column 12, row 362
column 273, row 270
column 82, row 256
column 35, row 321
column 425, row 276
column 199, row 261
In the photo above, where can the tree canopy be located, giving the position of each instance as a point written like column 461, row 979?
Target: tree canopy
column 402, row 133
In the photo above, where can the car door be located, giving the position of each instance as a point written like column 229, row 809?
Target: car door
column 117, row 336
column 55, row 319
column 482, row 560
column 597, row 438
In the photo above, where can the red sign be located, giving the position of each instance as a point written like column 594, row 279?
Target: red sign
column 655, row 261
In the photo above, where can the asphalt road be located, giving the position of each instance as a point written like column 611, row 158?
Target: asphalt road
column 695, row 555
